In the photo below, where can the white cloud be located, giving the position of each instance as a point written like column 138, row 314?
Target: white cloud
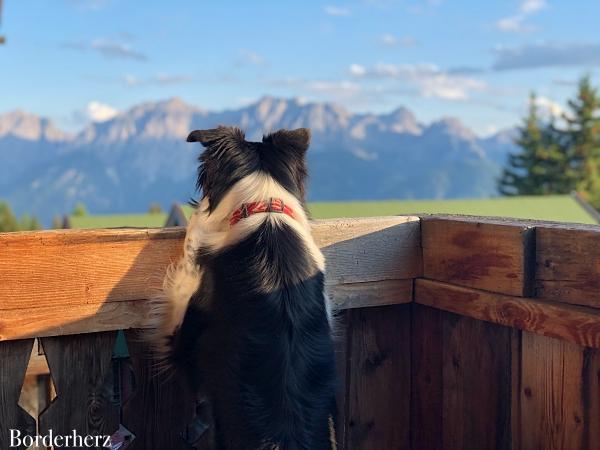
column 517, row 23
column 428, row 79
column 335, row 88
column 250, row 58
column 531, row 6
column 100, row 112
column 337, row 11
column 357, row 70
column 109, row 48
column 389, row 40
column 549, row 107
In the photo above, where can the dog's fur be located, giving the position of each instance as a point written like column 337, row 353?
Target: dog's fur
column 244, row 311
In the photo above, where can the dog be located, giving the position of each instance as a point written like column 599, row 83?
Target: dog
column 244, row 312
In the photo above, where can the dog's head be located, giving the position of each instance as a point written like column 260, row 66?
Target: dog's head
column 228, row 158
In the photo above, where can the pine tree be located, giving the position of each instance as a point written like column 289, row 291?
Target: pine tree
column 538, row 168
column 8, row 221
column 79, row 210
column 583, row 140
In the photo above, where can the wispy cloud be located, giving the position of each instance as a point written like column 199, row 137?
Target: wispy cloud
column 337, row 11
column 160, row 79
column 389, row 40
column 547, row 55
column 249, row 57
column 113, row 49
column 429, row 80
column 517, row 23
column 109, row 48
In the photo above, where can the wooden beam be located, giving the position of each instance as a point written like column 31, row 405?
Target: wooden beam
column 492, row 254
column 568, row 264
column 572, row 323
column 372, row 293
column 74, row 281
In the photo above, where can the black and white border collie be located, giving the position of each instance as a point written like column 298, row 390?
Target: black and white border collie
column 244, row 311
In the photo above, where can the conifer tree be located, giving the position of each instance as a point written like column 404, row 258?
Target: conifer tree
column 527, row 172
column 583, row 140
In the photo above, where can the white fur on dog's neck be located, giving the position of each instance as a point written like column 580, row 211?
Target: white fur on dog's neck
column 212, row 231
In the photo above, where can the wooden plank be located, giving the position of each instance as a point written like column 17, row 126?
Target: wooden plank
column 343, row 374
column 374, row 293
column 61, row 320
column 426, row 379
column 568, row 264
column 81, row 370
column 591, row 399
column 96, row 280
column 160, row 407
column 572, row 323
column 494, row 255
column 476, row 384
column 14, row 357
column 552, row 416
column 379, row 390
column 370, row 249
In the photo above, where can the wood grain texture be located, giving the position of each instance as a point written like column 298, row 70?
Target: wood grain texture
column 476, row 384
column 591, row 399
column 572, row 323
column 496, row 256
column 160, row 407
column 75, row 267
column 74, row 281
column 342, row 353
column 372, row 293
column 64, row 320
column 379, row 388
column 81, row 370
column 14, row 357
column 552, row 416
column 568, row 265
column 371, row 249
column 426, row 379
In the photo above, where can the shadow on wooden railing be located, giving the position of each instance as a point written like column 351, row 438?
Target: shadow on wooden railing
column 455, row 332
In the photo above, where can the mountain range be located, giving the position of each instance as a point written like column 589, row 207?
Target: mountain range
column 140, row 156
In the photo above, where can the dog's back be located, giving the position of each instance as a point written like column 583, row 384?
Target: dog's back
column 256, row 333
column 266, row 354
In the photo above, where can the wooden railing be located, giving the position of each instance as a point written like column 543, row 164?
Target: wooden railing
column 454, row 333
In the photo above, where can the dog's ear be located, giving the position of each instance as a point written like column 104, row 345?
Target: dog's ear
column 297, row 140
column 207, row 137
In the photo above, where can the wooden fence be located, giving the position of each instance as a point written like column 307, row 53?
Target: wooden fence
column 454, row 333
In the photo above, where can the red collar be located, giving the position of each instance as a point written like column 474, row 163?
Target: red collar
column 273, row 205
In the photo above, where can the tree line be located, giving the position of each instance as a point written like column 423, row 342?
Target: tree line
column 558, row 155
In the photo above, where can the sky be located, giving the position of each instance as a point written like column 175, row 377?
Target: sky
column 81, row 60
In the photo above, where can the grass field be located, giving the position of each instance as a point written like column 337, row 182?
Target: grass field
column 560, row 208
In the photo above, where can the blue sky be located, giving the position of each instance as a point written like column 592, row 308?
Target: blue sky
column 78, row 60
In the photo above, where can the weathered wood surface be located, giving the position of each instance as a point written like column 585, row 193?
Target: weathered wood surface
column 379, row 386
column 97, row 280
column 81, row 370
column 476, row 384
column 160, row 407
column 372, row 293
column 426, row 379
column 591, row 399
column 493, row 255
column 373, row 249
column 568, row 264
column 552, row 415
column 14, row 357
column 343, row 377
column 573, row 323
